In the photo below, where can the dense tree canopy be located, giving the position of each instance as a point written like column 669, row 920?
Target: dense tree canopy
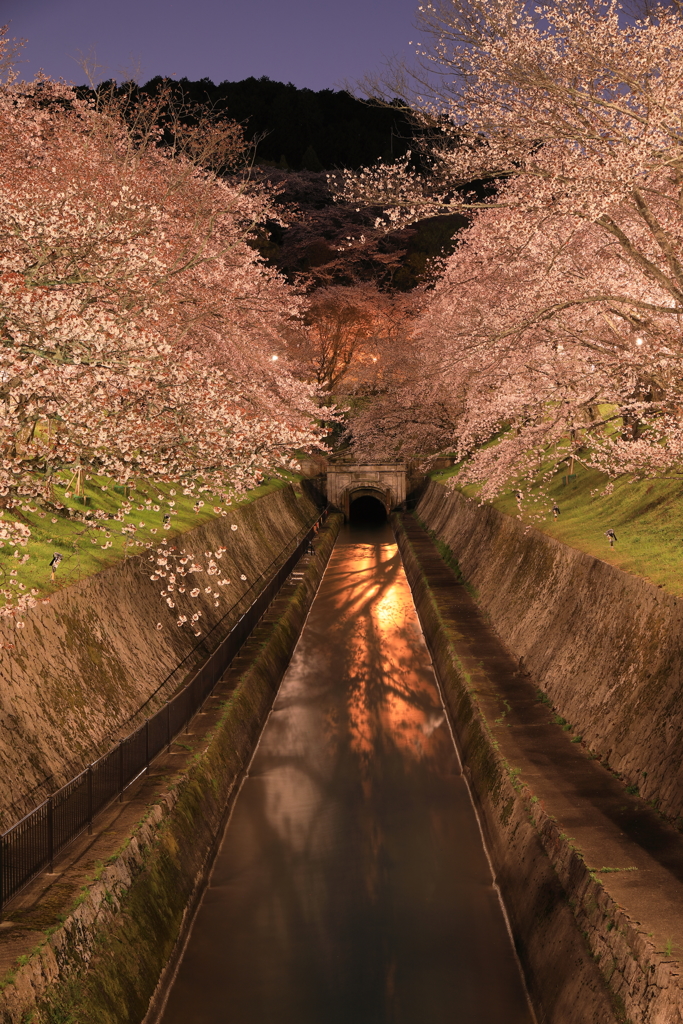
column 135, row 313
column 138, row 321
column 559, row 316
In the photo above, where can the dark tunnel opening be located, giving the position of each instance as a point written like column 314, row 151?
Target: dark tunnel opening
column 367, row 511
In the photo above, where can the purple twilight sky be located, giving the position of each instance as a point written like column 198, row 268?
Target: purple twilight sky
column 313, row 43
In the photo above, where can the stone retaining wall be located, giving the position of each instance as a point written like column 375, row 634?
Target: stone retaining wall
column 88, row 659
column 606, row 646
column 102, row 965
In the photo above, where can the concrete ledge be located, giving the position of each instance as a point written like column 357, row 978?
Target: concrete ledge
column 102, row 963
column 587, row 959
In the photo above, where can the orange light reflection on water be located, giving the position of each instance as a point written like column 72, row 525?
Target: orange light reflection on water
column 389, row 696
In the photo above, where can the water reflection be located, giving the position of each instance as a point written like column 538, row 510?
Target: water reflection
column 351, row 886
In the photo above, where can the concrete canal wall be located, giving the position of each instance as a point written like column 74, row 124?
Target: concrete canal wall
column 103, row 961
column 589, row 875
column 89, row 664
column 605, row 646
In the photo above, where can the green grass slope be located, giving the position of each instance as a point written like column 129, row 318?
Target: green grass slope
column 646, row 515
column 89, row 546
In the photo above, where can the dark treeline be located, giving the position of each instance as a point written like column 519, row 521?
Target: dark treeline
column 299, row 128
column 298, row 135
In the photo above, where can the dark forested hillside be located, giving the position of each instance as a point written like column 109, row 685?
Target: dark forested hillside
column 299, row 128
column 296, row 138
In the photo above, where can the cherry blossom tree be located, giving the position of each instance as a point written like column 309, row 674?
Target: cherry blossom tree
column 137, row 322
column 347, row 334
column 565, row 296
column 539, row 336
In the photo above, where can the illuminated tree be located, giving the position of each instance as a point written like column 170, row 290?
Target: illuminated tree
column 347, row 335
column 137, row 322
column 566, row 294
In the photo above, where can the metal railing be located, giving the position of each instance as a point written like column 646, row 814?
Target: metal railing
column 32, row 844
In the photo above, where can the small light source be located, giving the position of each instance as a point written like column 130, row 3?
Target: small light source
column 374, row 359
column 639, row 341
column 274, row 359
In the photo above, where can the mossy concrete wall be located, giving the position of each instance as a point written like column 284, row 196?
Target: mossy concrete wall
column 606, row 647
column 76, row 676
column 103, row 964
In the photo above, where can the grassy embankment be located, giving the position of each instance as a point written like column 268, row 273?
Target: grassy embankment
column 87, row 548
column 646, row 515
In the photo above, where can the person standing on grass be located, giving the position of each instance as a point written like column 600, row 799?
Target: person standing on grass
column 612, row 537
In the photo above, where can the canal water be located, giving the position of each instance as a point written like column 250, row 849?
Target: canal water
column 351, row 886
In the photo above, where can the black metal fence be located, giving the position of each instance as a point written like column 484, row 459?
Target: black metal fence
column 32, row 844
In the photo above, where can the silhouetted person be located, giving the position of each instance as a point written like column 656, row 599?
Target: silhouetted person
column 556, row 511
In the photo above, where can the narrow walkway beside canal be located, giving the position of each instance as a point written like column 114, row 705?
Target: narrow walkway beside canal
column 351, row 886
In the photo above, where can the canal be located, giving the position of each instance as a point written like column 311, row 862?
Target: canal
column 351, row 885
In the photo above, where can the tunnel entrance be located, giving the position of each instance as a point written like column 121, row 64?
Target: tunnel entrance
column 367, row 511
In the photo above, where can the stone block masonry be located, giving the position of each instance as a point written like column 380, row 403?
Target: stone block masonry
column 100, row 960
column 605, row 646
column 89, row 665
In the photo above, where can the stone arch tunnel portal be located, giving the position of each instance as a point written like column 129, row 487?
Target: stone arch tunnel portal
column 366, row 486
